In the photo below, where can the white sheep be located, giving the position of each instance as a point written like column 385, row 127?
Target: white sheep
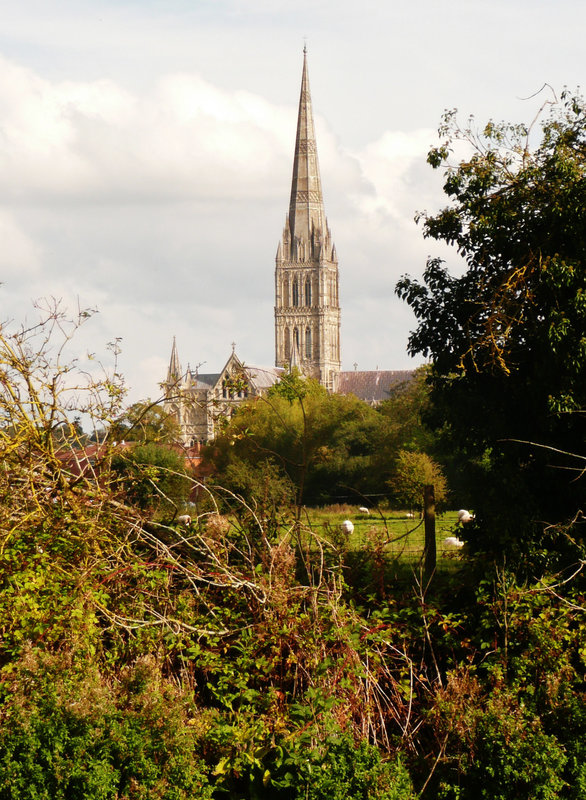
column 364, row 510
column 453, row 541
column 184, row 519
column 465, row 516
column 347, row 527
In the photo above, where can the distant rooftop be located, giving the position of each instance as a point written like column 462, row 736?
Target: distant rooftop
column 204, row 380
column 264, row 377
column 373, row 386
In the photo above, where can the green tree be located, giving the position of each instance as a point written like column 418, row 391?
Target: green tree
column 154, row 477
column 324, row 444
column 146, row 422
column 508, row 336
column 412, row 472
column 407, row 411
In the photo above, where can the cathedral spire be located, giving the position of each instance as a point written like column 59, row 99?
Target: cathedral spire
column 174, row 373
column 307, row 310
column 307, row 220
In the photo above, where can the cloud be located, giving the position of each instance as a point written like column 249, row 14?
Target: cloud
column 185, row 139
column 20, row 256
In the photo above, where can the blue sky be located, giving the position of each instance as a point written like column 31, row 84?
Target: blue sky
column 146, row 152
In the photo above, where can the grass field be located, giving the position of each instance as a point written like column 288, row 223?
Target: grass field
column 399, row 535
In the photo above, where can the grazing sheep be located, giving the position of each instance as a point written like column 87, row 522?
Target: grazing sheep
column 453, row 541
column 347, row 527
column 465, row 516
column 184, row 519
column 364, row 510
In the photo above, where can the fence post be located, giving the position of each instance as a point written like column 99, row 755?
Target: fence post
column 429, row 552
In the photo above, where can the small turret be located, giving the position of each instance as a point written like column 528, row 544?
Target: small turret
column 174, row 373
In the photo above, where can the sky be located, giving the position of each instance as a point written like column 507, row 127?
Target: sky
column 146, row 150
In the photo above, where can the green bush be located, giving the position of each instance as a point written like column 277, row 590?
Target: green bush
column 67, row 734
column 342, row 769
column 153, row 477
column 509, row 756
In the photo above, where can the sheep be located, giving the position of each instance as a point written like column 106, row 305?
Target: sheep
column 465, row 516
column 364, row 510
column 453, row 541
column 347, row 527
column 184, row 519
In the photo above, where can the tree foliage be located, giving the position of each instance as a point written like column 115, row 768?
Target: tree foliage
column 323, row 445
column 145, row 422
column 508, row 336
column 407, row 411
column 230, row 659
column 413, row 471
column 153, row 477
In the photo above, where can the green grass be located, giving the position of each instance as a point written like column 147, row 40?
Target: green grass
column 401, row 536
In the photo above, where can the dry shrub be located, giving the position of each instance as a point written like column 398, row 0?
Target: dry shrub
column 217, row 525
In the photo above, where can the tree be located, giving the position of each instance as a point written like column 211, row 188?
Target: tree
column 407, row 411
column 508, row 337
column 146, row 422
column 323, row 444
column 412, row 472
column 153, row 476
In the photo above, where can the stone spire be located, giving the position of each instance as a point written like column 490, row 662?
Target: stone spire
column 307, row 311
column 174, row 373
column 306, row 207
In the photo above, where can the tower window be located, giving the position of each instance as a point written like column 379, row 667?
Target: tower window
column 308, row 292
column 295, row 292
column 287, row 344
column 308, row 343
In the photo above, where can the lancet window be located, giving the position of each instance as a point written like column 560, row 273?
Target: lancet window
column 287, row 344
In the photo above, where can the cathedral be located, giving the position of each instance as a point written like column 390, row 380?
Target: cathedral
column 307, row 313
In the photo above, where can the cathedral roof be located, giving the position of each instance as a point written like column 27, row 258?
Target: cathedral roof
column 204, row 380
column 373, row 386
column 261, row 377
column 264, row 377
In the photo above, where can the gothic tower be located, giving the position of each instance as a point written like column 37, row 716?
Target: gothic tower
column 307, row 311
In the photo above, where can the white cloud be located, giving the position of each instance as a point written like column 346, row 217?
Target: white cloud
column 20, row 256
column 185, row 139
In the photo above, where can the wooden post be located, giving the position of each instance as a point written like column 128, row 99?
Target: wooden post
column 429, row 552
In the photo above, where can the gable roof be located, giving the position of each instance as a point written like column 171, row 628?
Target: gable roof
column 263, row 377
column 373, row 386
column 260, row 378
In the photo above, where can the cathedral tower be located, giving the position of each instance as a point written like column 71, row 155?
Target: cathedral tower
column 307, row 311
